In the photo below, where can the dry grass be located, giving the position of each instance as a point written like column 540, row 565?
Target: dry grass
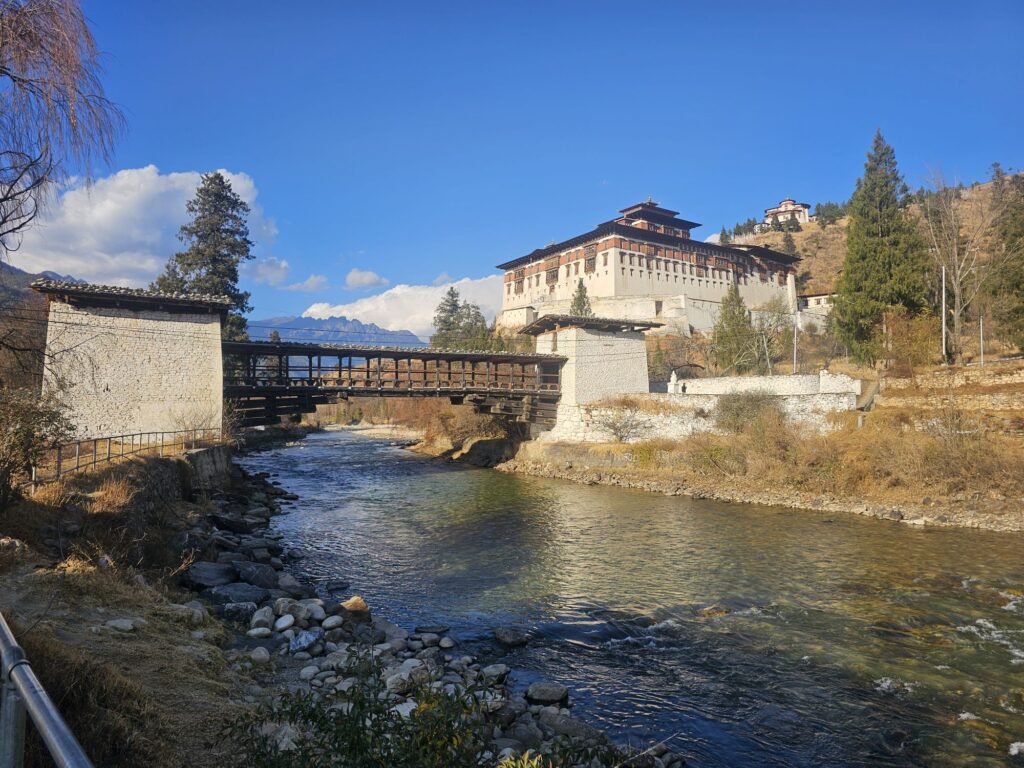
column 886, row 460
column 154, row 697
column 442, row 424
column 642, row 404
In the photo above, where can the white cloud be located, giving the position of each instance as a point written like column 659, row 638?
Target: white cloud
column 123, row 228
column 270, row 270
column 364, row 278
column 311, row 284
column 412, row 306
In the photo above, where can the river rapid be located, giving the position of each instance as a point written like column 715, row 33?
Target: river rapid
column 750, row 635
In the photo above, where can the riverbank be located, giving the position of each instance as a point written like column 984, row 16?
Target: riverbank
column 622, row 466
column 155, row 676
column 318, row 641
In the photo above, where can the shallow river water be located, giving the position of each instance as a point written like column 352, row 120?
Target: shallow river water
column 752, row 635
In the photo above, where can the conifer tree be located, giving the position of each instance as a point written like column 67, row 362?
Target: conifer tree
column 217, row 237
column 734, row 342
column 776, row 224
column 446, row 319
column 886, row 265
column 472, row 329
column 723, row 237
column 788, row 244
column 580, row 306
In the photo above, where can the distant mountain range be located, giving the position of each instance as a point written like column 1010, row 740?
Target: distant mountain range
column 15, row 282
column 331, row 330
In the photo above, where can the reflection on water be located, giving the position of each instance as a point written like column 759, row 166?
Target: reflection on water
column 762, row 636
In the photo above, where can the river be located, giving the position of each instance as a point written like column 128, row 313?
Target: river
column 751, row 635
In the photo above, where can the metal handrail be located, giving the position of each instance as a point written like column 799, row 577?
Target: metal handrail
column 94, row 451
column 22, row 692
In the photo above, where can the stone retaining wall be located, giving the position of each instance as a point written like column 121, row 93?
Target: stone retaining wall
column 673, row 417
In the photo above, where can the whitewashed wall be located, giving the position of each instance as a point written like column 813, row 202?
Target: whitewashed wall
column 599, row 364
column 122, row 371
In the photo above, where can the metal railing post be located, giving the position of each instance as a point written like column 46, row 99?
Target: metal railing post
column 22, row 697
column 12, row 725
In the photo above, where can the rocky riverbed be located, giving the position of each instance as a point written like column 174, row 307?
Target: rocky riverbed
column 296, row 640
column 964, row 510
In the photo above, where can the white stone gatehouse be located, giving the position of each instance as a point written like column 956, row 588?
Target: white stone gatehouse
column 126, row 360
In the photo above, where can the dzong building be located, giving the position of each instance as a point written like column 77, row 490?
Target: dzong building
column 643, row 265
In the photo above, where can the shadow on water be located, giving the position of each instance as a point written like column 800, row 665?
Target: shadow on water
column 762, row 636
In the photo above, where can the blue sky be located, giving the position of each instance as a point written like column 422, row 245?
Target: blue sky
column 422, row 140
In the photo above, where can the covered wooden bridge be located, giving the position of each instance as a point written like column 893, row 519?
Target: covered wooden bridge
column 268, row 380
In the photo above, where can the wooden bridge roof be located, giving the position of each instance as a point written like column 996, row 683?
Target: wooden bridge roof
column 293, row 348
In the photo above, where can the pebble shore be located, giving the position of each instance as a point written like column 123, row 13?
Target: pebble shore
column 304, row 641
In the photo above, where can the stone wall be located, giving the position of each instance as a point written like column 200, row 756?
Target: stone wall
column 803, row 384
column 992, row 375
column 123, row 371
column 673, row 417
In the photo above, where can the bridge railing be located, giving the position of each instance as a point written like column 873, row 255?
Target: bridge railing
column 81, row 455
column 21, row 693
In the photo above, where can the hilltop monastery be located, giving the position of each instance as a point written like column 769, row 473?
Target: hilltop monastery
column 643, row 265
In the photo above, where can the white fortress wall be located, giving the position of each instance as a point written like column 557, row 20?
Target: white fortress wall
column 808, row 400
column 124, row 371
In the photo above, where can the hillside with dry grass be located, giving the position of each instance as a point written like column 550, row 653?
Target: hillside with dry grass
column 823, row 249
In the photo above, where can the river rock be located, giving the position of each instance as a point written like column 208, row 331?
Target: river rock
column 239, row 592
column 446, row 643
column 203, row 575
column 406, row 708
column 284, row 622
column 240, row 612
column 259, row 655
column 434, row 629
column 512, row 638
column 123, row 625
column 355, row 604
column 565, row 725
column 260, row 633
column 332, row 622
column 495, row 672
column 257, row 574
column 305, row 640
column 547, row 693
column 308, row 673
column 237, row 523
column 291, row 585
column 264, row 617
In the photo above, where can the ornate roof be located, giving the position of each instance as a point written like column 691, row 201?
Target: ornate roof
column 546, row 323
column 115, row 295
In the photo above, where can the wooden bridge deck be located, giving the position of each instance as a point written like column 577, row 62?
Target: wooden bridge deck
column 268, row 380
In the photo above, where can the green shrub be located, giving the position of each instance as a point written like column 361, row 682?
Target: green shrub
column 736, row 410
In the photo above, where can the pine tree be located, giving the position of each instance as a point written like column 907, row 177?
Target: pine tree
column 776, row 224
column 734, row 342
column 473, row 332
column 791, row 225
column 580, row 306
column 886, row 264
column 724, row 238
column 217, row 239
column 446, row 320
column 789, row 244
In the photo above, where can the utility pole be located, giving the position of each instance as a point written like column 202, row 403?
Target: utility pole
column 944, row 315
column 796, row 331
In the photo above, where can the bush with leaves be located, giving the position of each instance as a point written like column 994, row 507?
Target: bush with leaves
column 361, row 728
column 735, row 411
column 29, row 426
